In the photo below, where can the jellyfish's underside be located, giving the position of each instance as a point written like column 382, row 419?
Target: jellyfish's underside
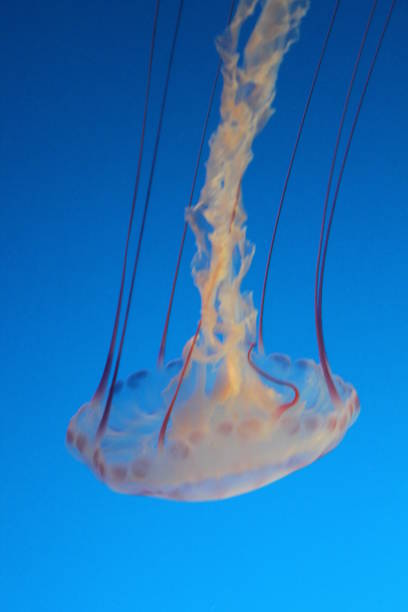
column 222, row 441
column 231, row 430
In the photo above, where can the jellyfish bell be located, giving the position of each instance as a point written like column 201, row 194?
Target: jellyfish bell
column 226, row 436
column 226, row 418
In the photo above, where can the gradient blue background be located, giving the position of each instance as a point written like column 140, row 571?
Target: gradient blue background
column 330, row 537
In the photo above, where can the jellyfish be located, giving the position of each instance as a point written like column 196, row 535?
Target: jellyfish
column 227, row 417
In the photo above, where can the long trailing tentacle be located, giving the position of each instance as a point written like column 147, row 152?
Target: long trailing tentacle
column 103, row 383
column 106, row 412
column 324, row 237
column 260, row 341
column 318, row 315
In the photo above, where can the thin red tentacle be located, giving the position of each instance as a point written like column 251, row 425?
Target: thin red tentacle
column 106, row 412
column 348, row 146
column 106, row 371
column 278, row 215
column 180, row 380
column 321, row 263
column 276, row 381
column 289, row 172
